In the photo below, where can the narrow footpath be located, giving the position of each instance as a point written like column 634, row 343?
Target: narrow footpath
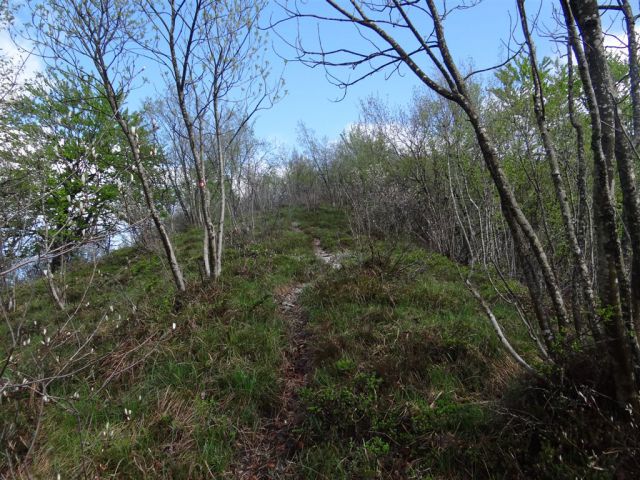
column 266, row 455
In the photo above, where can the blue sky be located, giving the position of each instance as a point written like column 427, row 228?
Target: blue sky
column 476, row 38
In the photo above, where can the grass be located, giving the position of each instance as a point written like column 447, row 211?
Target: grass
column 190, row 390
column 406, row 378
column 406, row 370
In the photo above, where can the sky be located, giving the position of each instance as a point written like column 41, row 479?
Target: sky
column 478, row 38
column 8, row 49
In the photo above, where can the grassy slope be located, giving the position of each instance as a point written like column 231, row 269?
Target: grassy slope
column 405, row 372
column 195, row 388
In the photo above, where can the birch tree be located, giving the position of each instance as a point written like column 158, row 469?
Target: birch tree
column 241, row 85
column 212, row 54
column 178, row 37
column 90, row 41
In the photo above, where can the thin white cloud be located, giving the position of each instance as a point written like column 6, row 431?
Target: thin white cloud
column 616, row 42
column 24, row 65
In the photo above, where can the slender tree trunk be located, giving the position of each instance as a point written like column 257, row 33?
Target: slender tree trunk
column 153, row 211
column 634, row 68
column 515, row 217
column 631, row 214
column 132, row 140
column 492, row 318
column 588, row 20
column 612, row 278
column 558, row 182
column 193, row 215
column 180, row 72
column 203, row 190
column 179, row 196
column 498, row 329
column 53, row 289
column 582, row 208
column 625, row 159
column 223, row 195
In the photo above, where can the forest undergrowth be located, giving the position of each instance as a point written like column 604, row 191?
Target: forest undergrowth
column 395, row 372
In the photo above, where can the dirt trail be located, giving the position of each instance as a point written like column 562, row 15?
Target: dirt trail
column 266, row 452
column 332, row 260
